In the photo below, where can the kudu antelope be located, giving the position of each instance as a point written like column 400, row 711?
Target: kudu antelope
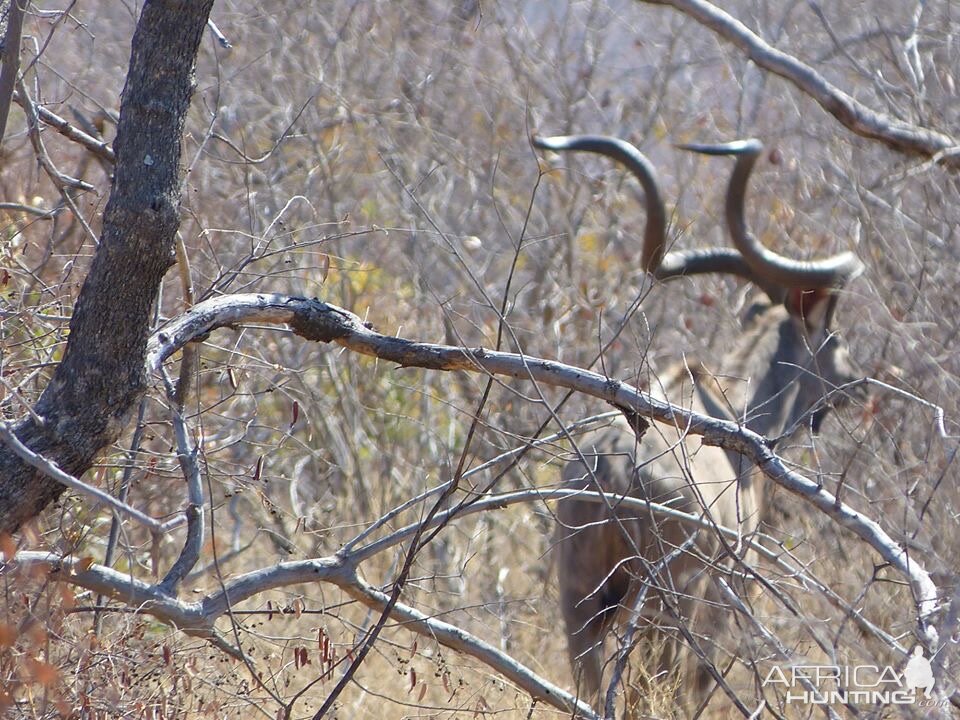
column 777, row 377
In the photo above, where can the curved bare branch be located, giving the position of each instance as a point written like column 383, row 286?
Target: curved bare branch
column 198, row 618
column 851, row 113
column 319, row 321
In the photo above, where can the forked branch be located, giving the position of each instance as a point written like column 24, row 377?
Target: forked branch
column 316, row 320
column 198, row 618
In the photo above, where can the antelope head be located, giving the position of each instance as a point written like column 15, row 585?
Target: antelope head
column 805, row 361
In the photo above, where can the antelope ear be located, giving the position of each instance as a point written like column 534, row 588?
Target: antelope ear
column 813, row 307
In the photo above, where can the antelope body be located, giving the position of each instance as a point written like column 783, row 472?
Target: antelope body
column 778, row 376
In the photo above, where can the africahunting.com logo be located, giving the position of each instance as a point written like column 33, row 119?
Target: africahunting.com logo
column 857, row 684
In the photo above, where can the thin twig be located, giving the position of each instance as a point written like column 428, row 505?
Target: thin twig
column 61, row 180
column 101, row 149
column 633, row 627
column 114, row 536
column 187, row 455
column 221, row 38
column 774, row 643
column 571, row 429
column 51, row 470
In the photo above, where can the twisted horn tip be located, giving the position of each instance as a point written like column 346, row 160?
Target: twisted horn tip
column 556, row 142
column 751, row 146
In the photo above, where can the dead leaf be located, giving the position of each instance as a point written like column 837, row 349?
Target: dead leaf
column 8, row 635
column 298, row 606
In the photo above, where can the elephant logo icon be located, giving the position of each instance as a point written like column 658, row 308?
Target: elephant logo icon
column 918, row 673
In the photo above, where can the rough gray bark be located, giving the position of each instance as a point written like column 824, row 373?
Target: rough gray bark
column 11, row 27
column 96, row 387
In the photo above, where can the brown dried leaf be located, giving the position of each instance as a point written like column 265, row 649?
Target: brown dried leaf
column 8, row 635
column 324, row 268
column 42, row 672
column 8, row 546
column 67, row 599
column 298, row 606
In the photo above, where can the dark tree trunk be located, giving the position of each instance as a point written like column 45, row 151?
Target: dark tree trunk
column 97, row 386
column 11, row 27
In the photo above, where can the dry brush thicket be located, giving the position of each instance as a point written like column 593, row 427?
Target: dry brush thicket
column 378, row 158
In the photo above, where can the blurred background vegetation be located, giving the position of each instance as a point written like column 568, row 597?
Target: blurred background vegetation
column 376, row 155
